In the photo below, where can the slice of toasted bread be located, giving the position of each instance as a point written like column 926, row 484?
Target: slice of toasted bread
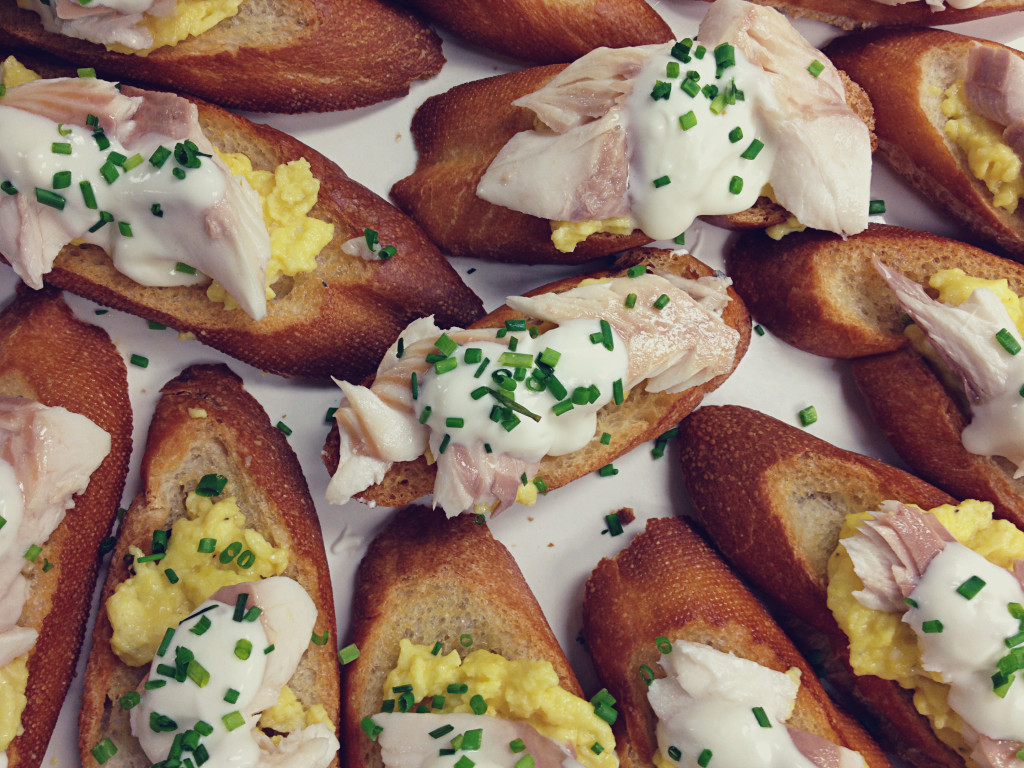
column 206, row 423
column 46, row 354
column 668, row 583
column 429, row 579
column 337, row 320
column 548, row 31
column 772, row 498
column 459, row 133
column 305, row 55
column 823, row 295
column 855, row 14
column 906, row 73
column 642, row 417
column 820, row 293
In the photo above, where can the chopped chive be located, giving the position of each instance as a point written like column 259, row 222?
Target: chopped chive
column 617, row 394
column 211, row 485
column 672, row 69
column 8, row 188
column 674, row 753
column 152, row 685
column 184, row 268
column 630, row 300
column 736, row 134
column 446, row 365
column 606, row 438
column 753, row 150
column 691, row 87
column 166, row 642
column 444, row 443
column 517, row 745
column 268, row 649
column 596, row 748
column 50, row 198
column 876, row 207
column 478, row 704
column 425, row 414
column 704, row 758
column 816, row 68
column 243, row 648
column 661, row 181
column 86, row 72
column 233, row 720
column 172, row 577
column 661, row 89
column 348, row 654
column 515, row 325
column 542, row 487
column 563, row 407
column 607, row 471
column 88, row 195
column 201, row 626
column 132, row 162
column 284, row 427
column 444, row 730
column 33, row 552
column 436, row 649
column 61, row 180
column 104, row 750
column 970, row 588
column 124, row 228
column 457, row 688
column 736, row 185
column 157, row 210
column 159, row 156
column 1003, row 336
column 808, row 416
column 101, row 140
column 613, row 523
column 932, row 627
column 661, row 302
column 320, row 639
column 445, row 344
column 130, row 700
column 455, row 422
column 636, row 270
column 526, row 761
column 761, row 717
column 197, row 673
column 109, row 172
column 759, row 330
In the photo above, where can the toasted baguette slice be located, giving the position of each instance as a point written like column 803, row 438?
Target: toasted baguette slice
column 642, row 417
column 305, row 55
column 855, row 14
column 548, row 31
column 235, row 439
column 430, row 579
column 905, row 74
column 46, row 354
column 669, row 583
column 337, row 320
column 459, row 133
column 822, row 294
column 772, row 498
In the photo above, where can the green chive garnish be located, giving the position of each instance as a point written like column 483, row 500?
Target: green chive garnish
column 348, row 654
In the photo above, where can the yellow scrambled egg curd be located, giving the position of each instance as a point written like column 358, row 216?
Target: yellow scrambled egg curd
column 882, row 644
column 522, row 690
column 288, row 715
column 189, row 18
column 990, row 159
column 566, row 235
column 13, row 679
column 13, row 72
column 145, row 605
column 288, row 194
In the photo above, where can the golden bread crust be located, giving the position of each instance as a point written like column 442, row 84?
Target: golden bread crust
column 337, row 320
column 642, row 417
column 669, row 583
column 307, row 55
column 753, row 479
column 548, row 31
column 908, row 120
column 430, row 579
column 237, row 440
column 46, row 354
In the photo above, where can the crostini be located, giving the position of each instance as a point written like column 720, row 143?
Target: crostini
column 677, row 638
column 941, row 121
column 213, row 640
column 307, row 55
column 821, row 506
column 447, row 630
column 616, row 360
column 938, row 398
column 66, row 431
column 168, row 194
column 548, row 31
column 629, row 145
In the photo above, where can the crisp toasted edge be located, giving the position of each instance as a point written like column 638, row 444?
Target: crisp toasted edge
column 545, row 32
column 407, row 481
column 326, row 64
column 458, row 134
column 421, row 560
column 669, row 583
column 753, row 479
column 822, row 294
column 335, row 321
column 910, row 135
column 48, row 355
column 235, row 439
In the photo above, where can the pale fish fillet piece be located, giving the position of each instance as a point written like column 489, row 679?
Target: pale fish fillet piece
column 466, row 474
column 822, row 169
column 406, row 741
column 229, row 242
column 674, row 348
column 100, row 24
column 995, row 89
column 575, row 168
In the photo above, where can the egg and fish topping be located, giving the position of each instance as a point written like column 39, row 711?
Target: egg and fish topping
column 91, row 162
column 131, row 26
column 952, row 629
column 487, row 711
column 209, row 552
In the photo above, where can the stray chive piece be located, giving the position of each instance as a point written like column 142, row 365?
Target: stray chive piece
column 759, row 330
column 687, row 121
column 680, row 239
column 661, row 181
column 104, row 750
column 606, row 438
column 816, row 68
column 201, row 626
column 661, row 302
column 211, row 485
column 206, row 546
column 613, row 523
column 736, row 134
column 284, row 427
column 736, row 185
column 33, row 552
column 932, row 627
column 50, row 198
column 233, row 720
column 761, row 717
column 348, row 654
column 155, row 326
column 444, row 730
column 661, row 89
column 185, row 269
column 672, row 69
column 1007, row 342
column 704, row 758
column 753, row 150
column 876, row 207
column 607, row 470
column 436, row 649
column 597, row 748
column 970, row 588
column 466, row 640
column 8, row 188
column 808, row 416
column 86, row 72
column 139, row 360
column 910, row 601
column 320, row 639
column 457, row 688
column 674, row 753
column 130, row 700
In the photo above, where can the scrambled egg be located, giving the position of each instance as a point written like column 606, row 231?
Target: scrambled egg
column 144, row 606
column 189, row 17
column 13, row 679
column 990, row 159
column 882, row 644
column 566, row 235
column 13, row 72
column 525, row 690
column 288, row 194
column 288, row 715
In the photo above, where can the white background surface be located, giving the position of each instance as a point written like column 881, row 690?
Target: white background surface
column 559, row 541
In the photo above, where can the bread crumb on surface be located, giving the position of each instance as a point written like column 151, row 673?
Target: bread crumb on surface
column 626, row 515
